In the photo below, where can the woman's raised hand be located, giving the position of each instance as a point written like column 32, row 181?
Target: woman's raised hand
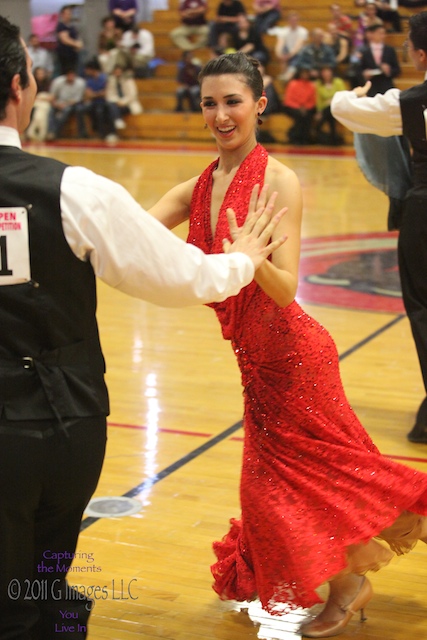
column 254, row 237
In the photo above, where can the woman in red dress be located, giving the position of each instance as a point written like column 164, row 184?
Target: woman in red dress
column 315, row 491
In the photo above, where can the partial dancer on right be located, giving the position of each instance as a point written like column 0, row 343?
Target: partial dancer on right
column 393, row 114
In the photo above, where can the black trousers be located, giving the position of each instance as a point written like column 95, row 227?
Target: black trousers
column 300, row 132
column 412, row 255
column 327, row 118
column 47, row 477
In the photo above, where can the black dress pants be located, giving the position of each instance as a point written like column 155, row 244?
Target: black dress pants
column 412, row 255
column 47, row 477
column 300, row 132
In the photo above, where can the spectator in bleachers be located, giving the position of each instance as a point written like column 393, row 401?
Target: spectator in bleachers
column 95, row 104
column 248, row 40
column 343, row 22
column 273, row 104
column 267, row 14
column 316, row 54
column 124, row 13
column 227, row 14
column 41, row 57
column 68, row 43
column 327, row 85
column 290, row 40
column 413, row 4
column 38, row 127
column 67, row 93
column 378, row 61
column 299, row 103
column 138, row 44
column 188, row 90
column 339, row 42
column 193, row 32
column 390, row 15
column 109, row 51
column 122, row 96
column 367, row 18
column 385, row 12
column 225, row 44
column 109, row 36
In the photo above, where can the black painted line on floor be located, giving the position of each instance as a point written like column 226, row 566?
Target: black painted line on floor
column 371, row 337
column 149, row 482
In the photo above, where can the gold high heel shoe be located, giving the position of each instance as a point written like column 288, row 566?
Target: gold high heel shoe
column 318, row 629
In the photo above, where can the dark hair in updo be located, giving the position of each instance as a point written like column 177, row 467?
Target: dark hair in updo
column 237, row 64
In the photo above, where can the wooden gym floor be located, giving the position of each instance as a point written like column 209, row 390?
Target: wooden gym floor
column 174, row 434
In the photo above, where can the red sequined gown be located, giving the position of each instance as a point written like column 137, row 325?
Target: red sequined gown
column 313, row 484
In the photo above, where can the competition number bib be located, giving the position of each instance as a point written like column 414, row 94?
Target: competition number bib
column 14, row 246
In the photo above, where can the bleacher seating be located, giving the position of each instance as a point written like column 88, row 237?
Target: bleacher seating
column 157, row 94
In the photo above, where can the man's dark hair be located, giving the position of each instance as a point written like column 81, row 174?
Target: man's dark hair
column 374, row 27
column 93, row 64
column 418, row 30
column 107, row 19
column 12, row 61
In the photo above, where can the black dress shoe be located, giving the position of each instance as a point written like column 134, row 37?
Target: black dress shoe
column 418, row 433
column 422, row 413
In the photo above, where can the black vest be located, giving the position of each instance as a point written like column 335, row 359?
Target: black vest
column 51, row 364
column 413, row 103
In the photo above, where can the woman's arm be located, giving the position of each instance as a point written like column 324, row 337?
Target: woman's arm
column 279, row 278
column 174, row 207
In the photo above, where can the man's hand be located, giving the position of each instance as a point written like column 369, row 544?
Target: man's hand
column 362, row 91
column 254, row 237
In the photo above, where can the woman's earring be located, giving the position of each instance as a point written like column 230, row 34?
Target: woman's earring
column 259, row 119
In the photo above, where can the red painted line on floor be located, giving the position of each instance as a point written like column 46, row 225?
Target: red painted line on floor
column 180, row 146
column 199, row 434
column 161, row 430
column 118, row 146
column 409, row 459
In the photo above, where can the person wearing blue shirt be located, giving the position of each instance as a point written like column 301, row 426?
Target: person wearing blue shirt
column 95, row 104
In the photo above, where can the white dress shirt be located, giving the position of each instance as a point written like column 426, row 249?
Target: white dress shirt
column 144, row 39
column 379, row 115
column 132, row 251
column 41, row 58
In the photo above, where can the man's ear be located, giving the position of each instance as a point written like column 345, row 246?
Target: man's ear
column 15, row 88
column 422, row 57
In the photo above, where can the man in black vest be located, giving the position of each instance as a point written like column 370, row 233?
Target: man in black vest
column 393, row 114
column 60, row 227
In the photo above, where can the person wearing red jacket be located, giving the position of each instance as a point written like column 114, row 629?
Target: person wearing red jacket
column 299, row 103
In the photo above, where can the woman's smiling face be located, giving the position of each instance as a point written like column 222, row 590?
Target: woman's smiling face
column 229, row 108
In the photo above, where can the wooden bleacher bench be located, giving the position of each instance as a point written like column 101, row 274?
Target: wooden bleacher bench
column 157, row 94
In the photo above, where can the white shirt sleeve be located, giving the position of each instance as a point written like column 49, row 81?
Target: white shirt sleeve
column 379, row 115
column 131, row 251
column 147, row 43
